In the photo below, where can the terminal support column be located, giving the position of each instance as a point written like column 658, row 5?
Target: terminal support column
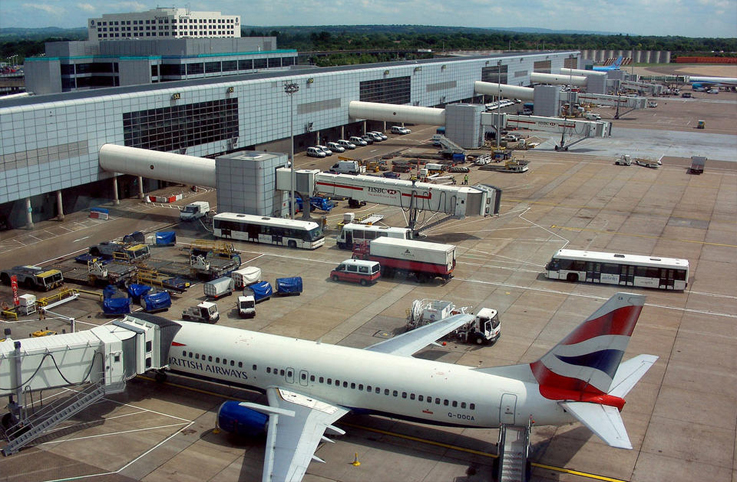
column 29, row 214
column 59, row 206
column 140, row 187
column 116, row 199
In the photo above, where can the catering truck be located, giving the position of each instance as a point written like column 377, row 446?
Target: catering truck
column 421, row 259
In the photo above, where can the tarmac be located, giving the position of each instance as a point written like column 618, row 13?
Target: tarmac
column 681, row 417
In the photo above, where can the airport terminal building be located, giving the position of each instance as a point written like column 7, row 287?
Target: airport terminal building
column 50, row 143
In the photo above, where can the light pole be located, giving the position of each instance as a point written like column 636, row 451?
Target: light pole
column 291, row 88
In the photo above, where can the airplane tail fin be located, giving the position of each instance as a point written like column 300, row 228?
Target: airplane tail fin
column 618, row 62
column 586, row 361
column 584, row 371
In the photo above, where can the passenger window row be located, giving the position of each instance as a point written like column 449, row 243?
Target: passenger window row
column 338, row 383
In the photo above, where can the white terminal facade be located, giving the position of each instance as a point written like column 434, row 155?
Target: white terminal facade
column 164, row 23
column 50, row 144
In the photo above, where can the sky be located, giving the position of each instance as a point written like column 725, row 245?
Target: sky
column 689, row 18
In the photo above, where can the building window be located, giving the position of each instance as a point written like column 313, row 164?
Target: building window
column 172, row 128
column 387, row 91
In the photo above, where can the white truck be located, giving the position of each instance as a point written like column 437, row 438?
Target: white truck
column 246, row 306
column 219, row 287
column 246, row 276
column 484, row 329
column 592, row 116
column 348, row 167
column 205, row 312
column 421, row 259
column 195, row 210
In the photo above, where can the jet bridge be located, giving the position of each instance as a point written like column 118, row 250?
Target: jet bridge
column 578, row 129
column 455, row 201
column 95, row 362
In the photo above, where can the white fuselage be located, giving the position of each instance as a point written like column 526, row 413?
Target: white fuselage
column 365, row 381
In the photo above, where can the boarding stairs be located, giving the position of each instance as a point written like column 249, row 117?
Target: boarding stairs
column 40, row 422
column 449, row 147
column 514, row 444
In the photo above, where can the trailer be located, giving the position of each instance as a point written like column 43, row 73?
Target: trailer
column 153, row 277
column 155, row 301
column 99, row 271
column 219, row 287
column 420, row 259
column 261, row 291
column 289, row 286
column 246, row 276
column 212, row 266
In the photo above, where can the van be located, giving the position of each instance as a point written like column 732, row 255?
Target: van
column 195, row 210
column 358, row 141
column 357, row 271
column 400, row 130
column 592, row 116
column 326, row 150
column 346, row 144
column 315, row 152
column 335, row 147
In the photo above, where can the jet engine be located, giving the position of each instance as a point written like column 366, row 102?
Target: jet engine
column 244, row 421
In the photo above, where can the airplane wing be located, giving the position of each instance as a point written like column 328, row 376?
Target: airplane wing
column 296, row 427
column 603, row 420
column 413, row 341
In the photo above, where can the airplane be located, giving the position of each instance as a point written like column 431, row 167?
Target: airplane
column 606, row 68
column 707, row 83
column 310, row 385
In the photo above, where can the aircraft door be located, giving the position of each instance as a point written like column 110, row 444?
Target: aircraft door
column 304, row 378
column 507, row 408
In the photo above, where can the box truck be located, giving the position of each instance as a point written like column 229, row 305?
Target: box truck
column 421, row 259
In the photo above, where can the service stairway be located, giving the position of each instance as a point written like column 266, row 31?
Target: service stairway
column 90, row 364
column 514, row 443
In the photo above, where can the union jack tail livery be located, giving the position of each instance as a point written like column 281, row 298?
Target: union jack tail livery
column 587, row 359
column 584, row 372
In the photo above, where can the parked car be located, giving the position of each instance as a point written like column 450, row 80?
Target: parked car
column 400, row 130
column 368, row 138
column 686, row 95
column 326, row 150
column 358, row 141
column 712, row 91
column 335, row 147
column 376, row 137
column 315, row 152
column 346, row 144
column 380, row 134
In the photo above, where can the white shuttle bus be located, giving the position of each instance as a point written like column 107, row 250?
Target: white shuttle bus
column 618, row 269
column 263, row 229
column 354, row 233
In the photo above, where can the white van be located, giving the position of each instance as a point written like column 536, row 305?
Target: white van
column 400, row 130
column 358, row 141
column 315, row 152
column 335, row 147
column 326, row 150
column 346, row 144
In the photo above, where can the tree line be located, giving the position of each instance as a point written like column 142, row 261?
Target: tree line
column 26, row 43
